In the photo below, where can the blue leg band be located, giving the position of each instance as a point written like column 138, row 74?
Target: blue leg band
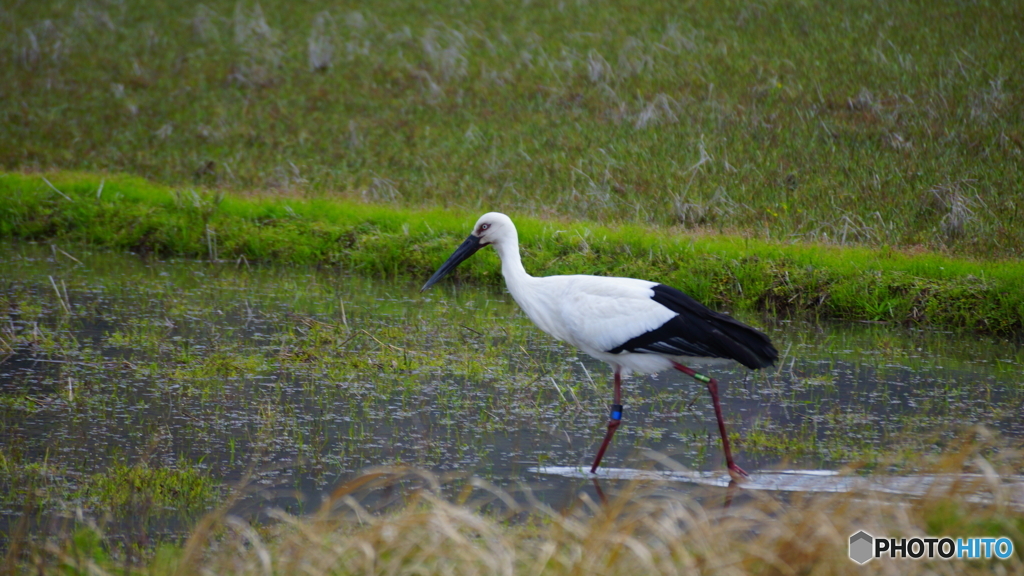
column 616, row 411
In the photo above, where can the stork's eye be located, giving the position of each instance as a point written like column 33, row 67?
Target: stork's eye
column 484, row 227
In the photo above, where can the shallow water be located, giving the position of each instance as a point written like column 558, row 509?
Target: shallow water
column 977, row 487
column 297, row 378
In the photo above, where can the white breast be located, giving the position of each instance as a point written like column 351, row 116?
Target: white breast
column 593, row 313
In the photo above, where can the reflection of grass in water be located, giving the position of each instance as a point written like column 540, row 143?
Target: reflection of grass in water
column 403, row 522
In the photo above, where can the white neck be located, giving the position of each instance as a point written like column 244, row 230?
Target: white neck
column 512, row 266
column 526, row 290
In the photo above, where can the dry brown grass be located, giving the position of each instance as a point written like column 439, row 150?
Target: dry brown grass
column 397, row 521
column 409, row 521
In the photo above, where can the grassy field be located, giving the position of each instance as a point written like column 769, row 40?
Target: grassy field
column 865, row 122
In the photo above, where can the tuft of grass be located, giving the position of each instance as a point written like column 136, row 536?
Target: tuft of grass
column 123, row 490
column 321, row 42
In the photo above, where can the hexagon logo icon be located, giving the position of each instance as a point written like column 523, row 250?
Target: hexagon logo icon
column 861, row 545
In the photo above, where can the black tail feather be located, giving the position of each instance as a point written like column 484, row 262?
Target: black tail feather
column 702, row 332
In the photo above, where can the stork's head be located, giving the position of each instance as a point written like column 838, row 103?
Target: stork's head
column 492, row 228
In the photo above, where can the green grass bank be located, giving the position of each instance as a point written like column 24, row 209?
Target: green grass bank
column 732, row 273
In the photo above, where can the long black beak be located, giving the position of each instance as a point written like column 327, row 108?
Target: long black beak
column 467, row 249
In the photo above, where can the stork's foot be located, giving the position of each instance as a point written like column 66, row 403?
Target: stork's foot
column 737, row 473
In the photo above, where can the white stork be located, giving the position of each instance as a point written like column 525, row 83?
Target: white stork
column 633, row 325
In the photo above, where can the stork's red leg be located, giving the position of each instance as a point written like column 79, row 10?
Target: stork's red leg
column 613, row 422
column 713, row 390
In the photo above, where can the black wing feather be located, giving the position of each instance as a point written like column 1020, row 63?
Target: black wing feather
column 697, row 330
